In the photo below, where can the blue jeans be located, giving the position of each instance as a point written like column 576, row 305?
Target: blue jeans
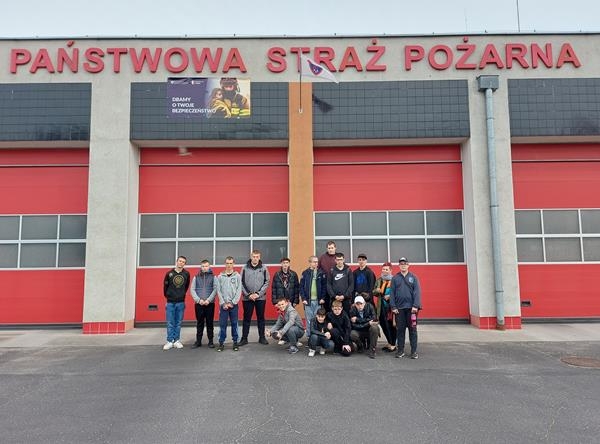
column 174, row 312
column 310, row 311
column 230, row 315
column 316, row 341
column 292, row 335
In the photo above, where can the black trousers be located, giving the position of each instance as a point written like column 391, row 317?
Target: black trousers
column 402, row 323
column 205, row 313
column 388, row 327
column 337, row 338
column 249, row 307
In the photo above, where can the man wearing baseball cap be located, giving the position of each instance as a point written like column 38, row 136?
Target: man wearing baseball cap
column 405, row 300
column 364, row 326
column 364, row 279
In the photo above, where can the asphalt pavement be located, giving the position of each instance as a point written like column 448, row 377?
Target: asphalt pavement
column 468, row 386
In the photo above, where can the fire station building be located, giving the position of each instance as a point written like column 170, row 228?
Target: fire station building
column 477, row 157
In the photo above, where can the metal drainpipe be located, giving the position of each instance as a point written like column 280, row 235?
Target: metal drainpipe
column 489, row 84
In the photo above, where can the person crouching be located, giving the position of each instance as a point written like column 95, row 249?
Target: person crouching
column 320, row 336
column 288, row 326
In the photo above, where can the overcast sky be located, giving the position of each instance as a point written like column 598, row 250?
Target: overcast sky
column 200, row 18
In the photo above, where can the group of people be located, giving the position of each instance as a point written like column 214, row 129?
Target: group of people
column 345, row 310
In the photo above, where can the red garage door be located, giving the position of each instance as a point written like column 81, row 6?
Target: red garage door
column 227, row 183
column 392, row 201
column 558, row 229
column 43, row 202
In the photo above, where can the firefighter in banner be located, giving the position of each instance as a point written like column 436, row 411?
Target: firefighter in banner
column 239, row 105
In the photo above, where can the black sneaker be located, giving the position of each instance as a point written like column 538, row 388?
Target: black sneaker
column 414, row 355
column 210, row 344
column 236, row 345
column 372, row 353
column 263, row 341
column 359, row 347
column 197, row 344
column 400, row 354
column 221, row 347
column 243, row 342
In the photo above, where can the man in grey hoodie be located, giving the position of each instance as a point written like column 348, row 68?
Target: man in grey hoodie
column 255, row 281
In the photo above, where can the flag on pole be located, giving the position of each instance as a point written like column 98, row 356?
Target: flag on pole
column 310, row 68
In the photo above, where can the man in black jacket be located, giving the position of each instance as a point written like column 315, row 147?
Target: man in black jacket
column 364, row 326
column 339, row 326
column 285, row 284
column 364, row 279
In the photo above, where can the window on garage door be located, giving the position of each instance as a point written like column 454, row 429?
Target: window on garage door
column 422, row 236
column 211, row 236
column 558, row 235
column 43, row 241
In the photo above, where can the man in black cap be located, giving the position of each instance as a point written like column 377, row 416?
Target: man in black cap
column 405, row 301
column 364, row 279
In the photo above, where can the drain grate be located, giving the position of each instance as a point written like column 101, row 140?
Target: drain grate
column 579, row 361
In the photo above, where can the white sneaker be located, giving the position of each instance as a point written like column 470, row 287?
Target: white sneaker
column 281, row 342
column 322, row 351
column 168, row 346
column 299, row 344
column 177, row 344
column 311, row 353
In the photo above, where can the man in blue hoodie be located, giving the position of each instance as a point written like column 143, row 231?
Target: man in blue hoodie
column 255, row 281
column 405, row 301
column 203, row 291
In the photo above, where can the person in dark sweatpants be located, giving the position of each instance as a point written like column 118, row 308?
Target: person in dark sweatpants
column 203, row 291
column 365, row 327
column 255, row 281
column 338, row 323
column 405, row 300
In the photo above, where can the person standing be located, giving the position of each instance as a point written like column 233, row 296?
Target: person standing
column 405, row 300
column 229, row 291
column 285, row 283
column 364, row 279
column 340, row 283
column 387, row 322
column 175, row 286
column 313, row 291
column 255, row 281
column 327, row 259
column 203, row 292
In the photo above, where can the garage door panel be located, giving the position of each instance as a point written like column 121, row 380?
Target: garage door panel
column 384, row 187
column 183, row 189
column 556, row 185
column 42, row 297
column 45, row 190
column 560, row 290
